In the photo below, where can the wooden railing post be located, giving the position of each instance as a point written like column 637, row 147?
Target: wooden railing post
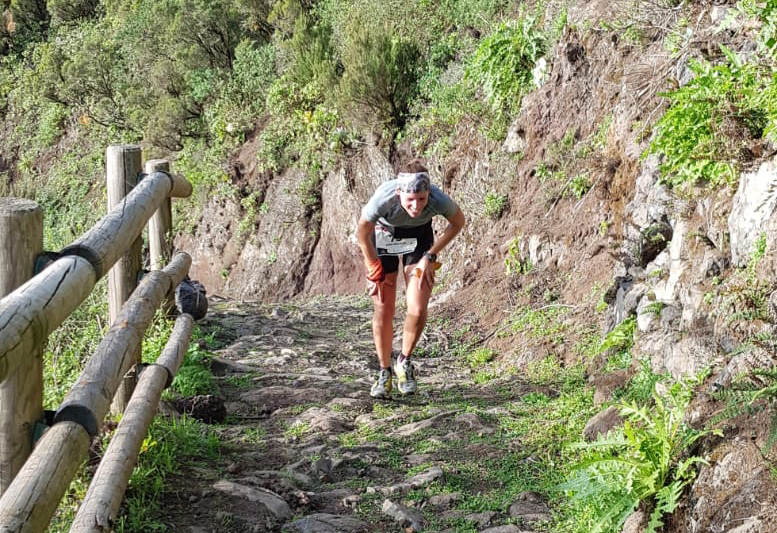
column 21, row 394
column 123, row 168
column 160, row 226
column 160, row 232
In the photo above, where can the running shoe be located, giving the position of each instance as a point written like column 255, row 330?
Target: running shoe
column 405, row 377
column 382, row 386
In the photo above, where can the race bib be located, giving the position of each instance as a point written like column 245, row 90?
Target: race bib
column 387, row 244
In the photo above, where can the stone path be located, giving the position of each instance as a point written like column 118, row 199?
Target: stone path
column 306, row 450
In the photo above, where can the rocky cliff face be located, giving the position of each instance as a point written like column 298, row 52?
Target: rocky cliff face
column 683, row 264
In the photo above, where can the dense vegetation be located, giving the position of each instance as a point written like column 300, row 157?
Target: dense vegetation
column 193, row 79
column 190, row 79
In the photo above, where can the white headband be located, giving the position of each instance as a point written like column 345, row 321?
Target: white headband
column 413, row 181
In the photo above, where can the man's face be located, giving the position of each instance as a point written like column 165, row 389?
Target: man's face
column 413, row 202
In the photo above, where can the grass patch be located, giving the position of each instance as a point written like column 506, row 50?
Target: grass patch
column 544, row 322
column 170, row 446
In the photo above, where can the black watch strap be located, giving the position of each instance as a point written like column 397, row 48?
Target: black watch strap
column 432, row 257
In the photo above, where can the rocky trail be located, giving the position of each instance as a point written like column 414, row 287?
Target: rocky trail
column 306, row 450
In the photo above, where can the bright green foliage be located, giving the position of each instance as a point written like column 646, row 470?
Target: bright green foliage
column 242, row 98
column 480, row 357
column 312, row 55
column 621, row 338
column 170, row 443
column 706, row 130
column 494, row 204
column 380, row 75
column 644, row 461
column 579, row 185
column 504, row 61
column 514, row 264
column 767, row 13
column 194, row 376
column 640, row 388
column 546, row 322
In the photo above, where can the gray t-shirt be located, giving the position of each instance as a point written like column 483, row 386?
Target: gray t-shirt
column 385, row 209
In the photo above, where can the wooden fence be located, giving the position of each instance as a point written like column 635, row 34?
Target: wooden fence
column 35, row 476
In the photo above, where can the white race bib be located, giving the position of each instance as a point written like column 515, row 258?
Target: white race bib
column 387, row 244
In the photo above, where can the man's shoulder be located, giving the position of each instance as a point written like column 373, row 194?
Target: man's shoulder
column 385, row 192
column 438, row 196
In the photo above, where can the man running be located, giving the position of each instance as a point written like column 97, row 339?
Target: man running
column 397, row 223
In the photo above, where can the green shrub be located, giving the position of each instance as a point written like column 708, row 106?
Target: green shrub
column 644, row 461
column 380, row 75
column 503, row 62
column 514, row 264
column 494, row 204
column 312, row 56
column 705, row 133
column 579, row 185
column 752, row 393
column 31, row 20
column 640, row 388
column 71, row 10
column 766, row 12
column 170, row 443
column 194, row 376
column 480, row 357
column 621, row 338
column 82, row 68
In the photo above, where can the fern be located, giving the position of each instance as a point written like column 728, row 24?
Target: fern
column 621, row 338
column 640, row 463
column 750, row 394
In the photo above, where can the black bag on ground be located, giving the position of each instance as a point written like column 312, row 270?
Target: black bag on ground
column 190, row 298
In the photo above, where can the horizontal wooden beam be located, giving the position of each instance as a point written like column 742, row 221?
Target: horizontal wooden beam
column 34, row 310
column 30, row 313
column 98, row 511
column 90, row 397
column 107, row 240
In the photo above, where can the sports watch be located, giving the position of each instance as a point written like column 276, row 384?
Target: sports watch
column 430, row 256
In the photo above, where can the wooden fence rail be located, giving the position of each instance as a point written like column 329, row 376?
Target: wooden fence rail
column 29, row 503
column 36, row 308
column 98, row 511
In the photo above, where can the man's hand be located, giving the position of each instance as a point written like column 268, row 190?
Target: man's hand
column 375, row 278
column 375, row 288
column 425, row 271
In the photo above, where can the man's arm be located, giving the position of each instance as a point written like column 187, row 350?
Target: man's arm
column 455, row 224
column 364, row 231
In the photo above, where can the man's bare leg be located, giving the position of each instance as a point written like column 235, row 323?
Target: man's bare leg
column 417, row 310
column 417, row 304
column 383, row 319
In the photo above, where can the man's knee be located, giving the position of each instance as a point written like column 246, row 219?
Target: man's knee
column 416, row 317
column 383, row 311
column 418, row 310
